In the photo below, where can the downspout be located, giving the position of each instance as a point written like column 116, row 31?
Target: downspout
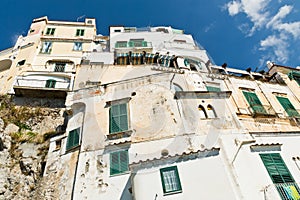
column 79, row 151
column 241, row 143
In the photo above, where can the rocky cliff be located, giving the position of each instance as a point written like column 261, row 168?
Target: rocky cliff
column 24, row 140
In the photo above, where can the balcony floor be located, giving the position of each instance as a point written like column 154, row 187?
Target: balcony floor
column 25, row 91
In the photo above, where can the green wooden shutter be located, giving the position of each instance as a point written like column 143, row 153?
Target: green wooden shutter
column 144, row 43
column 276, row 168
column 131, row 44
column 281, row 176
column 254, row 102
column 213, row 89
column 288, row 107
column 118, row 162
column 118, row 116
column 73, row 138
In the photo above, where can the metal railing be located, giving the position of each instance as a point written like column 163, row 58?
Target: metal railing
column 282, row 191
column 36, row 83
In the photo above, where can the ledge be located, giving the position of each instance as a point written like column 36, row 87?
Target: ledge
column 202, row 95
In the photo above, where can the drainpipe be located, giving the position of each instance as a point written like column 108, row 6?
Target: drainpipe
column 79, row 151
column 241, row 143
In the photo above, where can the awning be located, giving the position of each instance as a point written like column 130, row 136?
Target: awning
column 136, row 54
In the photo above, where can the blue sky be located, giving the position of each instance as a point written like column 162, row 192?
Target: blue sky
column 242, row 33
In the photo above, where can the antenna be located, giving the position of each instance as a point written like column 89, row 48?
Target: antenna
column 80, row 17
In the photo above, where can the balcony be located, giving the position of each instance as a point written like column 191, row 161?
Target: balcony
column 282, row 191
column 262, row 111
column 50, row 88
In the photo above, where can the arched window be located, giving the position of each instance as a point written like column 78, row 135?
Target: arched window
column 211, row 112
column 177, row 88
column 203, row 114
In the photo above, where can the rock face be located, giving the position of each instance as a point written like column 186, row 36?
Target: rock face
column 23, row 149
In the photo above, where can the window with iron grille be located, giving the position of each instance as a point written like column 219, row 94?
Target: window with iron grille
column 118, row 118
column 73, row 139
column 170, row 180
column 59, row 67
column 118, row 162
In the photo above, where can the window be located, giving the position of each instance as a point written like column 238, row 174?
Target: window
column 50, row 83
column 20, row 63
column 118, row 118
column 73, row 139
column 121, row 44
column 59, row 67
column 137, row 43
column 50, row 31
column 254, row 102
column 211, row 112
column 203, row 114
column 213, row 89
column 118, row 162
column 288, row 107
column 46, row 47
column 170, row 180
column 281, row 176
column 77, row 46
column 79, row 32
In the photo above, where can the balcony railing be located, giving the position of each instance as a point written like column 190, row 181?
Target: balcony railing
column 35, row 83
column 261, row 110
column 282, row 191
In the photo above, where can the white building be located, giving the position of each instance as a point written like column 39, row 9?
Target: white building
column 149, row 117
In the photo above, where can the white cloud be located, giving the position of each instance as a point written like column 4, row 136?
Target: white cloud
column 233, row 7
column 282, row 13
column 279, row 45
column 255, row 10
column 282, row 32
column 292, row 28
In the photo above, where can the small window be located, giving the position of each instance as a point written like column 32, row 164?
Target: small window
column 211, row 112
column 77, row 46
column 118, row 118
column 73, row 139
column 121, row 44
column 46, row 47
column 170, row 180
column 50, row 31
column 202, row 111
column 118, row 162
column 79, row 32
column 50, row 83
column 20, row 63
column 59, row 67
